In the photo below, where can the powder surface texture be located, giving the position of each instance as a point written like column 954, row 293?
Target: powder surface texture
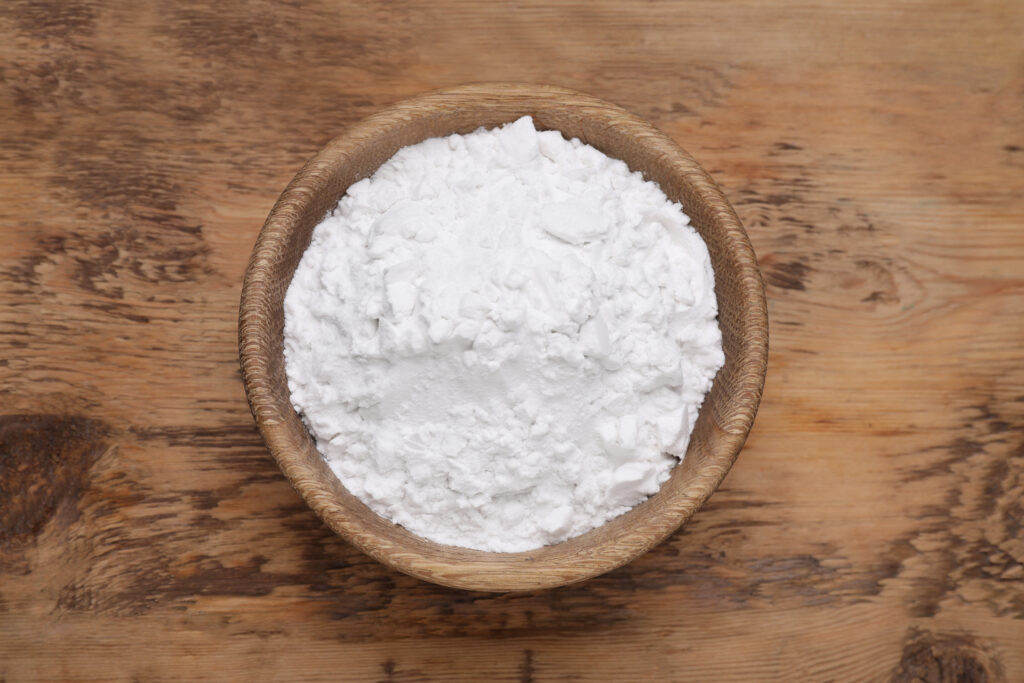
column 501, row 340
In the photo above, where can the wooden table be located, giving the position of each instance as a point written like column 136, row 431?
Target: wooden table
column 873, row 527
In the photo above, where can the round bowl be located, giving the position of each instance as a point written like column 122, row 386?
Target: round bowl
column 725, row 417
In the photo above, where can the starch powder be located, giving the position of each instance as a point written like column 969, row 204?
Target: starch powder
column 501, row 340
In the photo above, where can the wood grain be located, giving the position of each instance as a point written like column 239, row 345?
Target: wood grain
column 873, row 528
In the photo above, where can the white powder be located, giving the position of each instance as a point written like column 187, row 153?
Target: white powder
column 498, row 339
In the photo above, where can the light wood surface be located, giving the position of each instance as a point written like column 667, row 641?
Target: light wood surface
column 725, row 416
column 873, row 526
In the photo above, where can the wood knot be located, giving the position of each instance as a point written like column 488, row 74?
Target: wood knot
column 44, row 461
column 945, row 658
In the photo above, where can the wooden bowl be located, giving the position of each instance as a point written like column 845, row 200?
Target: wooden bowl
column 725, row 417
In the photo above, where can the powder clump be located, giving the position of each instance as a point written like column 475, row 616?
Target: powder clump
column 501, row 340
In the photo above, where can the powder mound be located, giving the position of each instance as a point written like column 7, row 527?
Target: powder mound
column 501, row 340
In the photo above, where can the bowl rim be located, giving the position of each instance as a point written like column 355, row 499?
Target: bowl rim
column 513, row 571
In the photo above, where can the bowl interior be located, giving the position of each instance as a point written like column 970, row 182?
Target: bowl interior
column 725, row 417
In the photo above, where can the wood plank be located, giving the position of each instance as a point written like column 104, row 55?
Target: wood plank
column 872, row 527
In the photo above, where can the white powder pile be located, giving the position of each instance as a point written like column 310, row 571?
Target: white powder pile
column 499, row 338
